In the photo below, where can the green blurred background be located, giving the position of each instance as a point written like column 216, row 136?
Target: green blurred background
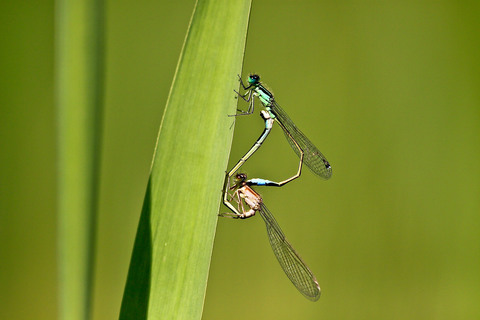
column 388, row 91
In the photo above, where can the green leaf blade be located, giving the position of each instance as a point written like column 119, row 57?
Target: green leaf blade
column 187, row 174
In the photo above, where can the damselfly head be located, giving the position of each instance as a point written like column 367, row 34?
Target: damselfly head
column 241, row 177
column 253, row 79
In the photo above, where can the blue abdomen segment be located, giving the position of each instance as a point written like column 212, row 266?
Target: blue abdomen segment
column 259, row 182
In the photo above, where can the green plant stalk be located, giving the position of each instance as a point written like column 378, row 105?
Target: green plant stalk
column 170, row 262
column 78, row 85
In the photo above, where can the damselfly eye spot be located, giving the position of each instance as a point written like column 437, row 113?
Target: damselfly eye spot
column 241, row 176
column 253, row 78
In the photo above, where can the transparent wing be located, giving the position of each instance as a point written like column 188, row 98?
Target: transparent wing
column 293, row 266
column 313, row 158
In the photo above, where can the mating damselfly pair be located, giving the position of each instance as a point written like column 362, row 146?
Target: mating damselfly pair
column 248, row 202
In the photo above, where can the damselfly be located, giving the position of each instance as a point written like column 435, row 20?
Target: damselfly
column 291, row 263
column 302, row 146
